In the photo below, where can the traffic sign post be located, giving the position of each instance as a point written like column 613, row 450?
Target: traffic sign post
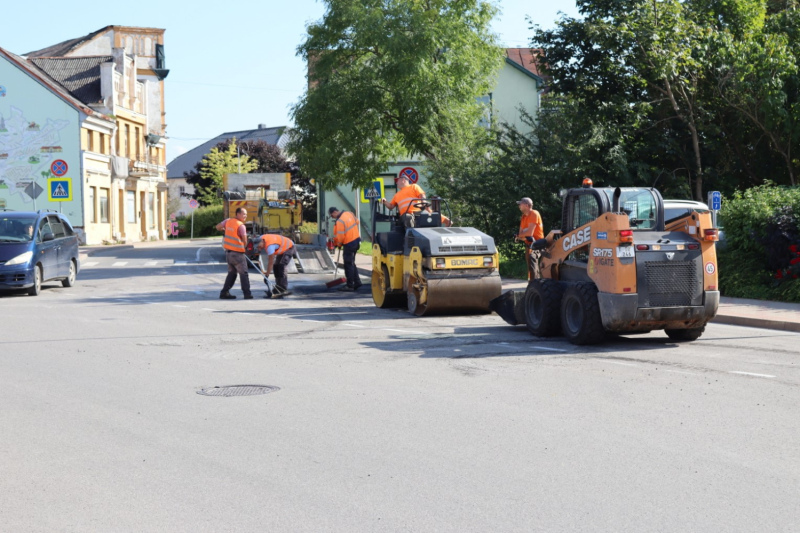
column 715, row 203
column 193, row 204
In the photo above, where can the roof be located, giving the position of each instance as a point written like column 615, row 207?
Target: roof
column 48, row 81
column 79, row 75
column 186, row 162
column 63, row 48
column 526, row 60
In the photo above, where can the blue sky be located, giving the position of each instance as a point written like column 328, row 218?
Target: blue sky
column 232, row 64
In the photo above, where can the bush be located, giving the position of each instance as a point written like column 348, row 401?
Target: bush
column 205, row 220
column 761, row 226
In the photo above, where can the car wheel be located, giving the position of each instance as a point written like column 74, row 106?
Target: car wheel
column 69, row 281
column 37, row 281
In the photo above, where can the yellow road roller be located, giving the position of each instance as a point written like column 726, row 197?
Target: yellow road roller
column 431, row 267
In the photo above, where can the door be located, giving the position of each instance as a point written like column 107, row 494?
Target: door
column 47, row 254
column 62, row 255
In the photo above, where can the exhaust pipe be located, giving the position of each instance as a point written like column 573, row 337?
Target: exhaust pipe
column 615, row 202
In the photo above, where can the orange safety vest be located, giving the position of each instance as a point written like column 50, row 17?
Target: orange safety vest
column 231, row 241
column 345, row 230
column 283, row 243
column 404, row 198
column 531, row 225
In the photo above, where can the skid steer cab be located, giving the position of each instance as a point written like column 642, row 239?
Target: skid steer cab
column 617, row 267
column 423, row 262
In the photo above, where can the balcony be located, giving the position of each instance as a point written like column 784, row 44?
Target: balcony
column 143, row 169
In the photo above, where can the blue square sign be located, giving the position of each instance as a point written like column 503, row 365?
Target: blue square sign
column 716, row 200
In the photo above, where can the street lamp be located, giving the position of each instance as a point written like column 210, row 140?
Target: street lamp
column 239, row 156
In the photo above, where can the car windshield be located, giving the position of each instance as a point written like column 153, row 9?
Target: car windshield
column 17, row 229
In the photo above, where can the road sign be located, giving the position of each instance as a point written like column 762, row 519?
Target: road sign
column 410, row 173
column 59, row 168
column 59, row 189
column 193, row 203
column 716, row 200
column 376, row 191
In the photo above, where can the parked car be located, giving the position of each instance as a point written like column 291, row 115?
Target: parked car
column 37, row 246
column 677, row 208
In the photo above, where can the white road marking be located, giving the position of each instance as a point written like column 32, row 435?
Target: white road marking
column 151, row 263
column 179, row 263
column 309, row 320
column 619, row 363
column 405, row 331
column 175, row 305
column 120, row 264
column 207, row 309
column 354, row 325
column 750, row 374
column 90, row 264
column 546, row 348
column 213, row 263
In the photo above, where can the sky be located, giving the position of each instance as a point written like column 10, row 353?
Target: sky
column 233, row 65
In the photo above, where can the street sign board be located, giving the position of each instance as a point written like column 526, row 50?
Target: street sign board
column 376, row 191
column 59, row 189
column 410, row 173
column 59, row 168
column 716, row 200
column 193, row 203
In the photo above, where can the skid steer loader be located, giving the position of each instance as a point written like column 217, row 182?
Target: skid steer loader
column 616, row 266
column 431, row 268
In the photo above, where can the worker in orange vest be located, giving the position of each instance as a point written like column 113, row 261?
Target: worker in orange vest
column 234, row 242
column 405, row 199
column 530, row 229
column 279, row 252
column 347, row 235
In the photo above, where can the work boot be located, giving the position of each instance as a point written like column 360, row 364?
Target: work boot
column 248, row 296
column 346, row 288
column 225, row 295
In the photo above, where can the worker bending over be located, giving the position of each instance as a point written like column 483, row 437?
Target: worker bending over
column 279, row 252
column 530, row 230
column 404, row 200
column 347, row 235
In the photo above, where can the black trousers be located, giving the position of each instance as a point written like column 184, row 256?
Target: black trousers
column 349, row 251
column 237, row 264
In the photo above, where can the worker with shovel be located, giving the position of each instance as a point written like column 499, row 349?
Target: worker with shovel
column 279, row 252
column 347, row 235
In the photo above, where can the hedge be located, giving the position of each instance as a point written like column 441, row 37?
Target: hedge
column 205, row 218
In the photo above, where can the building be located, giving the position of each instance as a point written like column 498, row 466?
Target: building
column 98, row 104
column 180, row 192
column 518, row 88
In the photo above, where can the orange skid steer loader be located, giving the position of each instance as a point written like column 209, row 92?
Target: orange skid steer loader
column 616, row 266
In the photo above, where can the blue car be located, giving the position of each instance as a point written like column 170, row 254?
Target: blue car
column 36, row 246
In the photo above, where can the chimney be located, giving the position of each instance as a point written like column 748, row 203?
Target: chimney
column 262, row 126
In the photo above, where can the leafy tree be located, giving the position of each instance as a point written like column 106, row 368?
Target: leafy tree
column 389, row 78
column 208, row 173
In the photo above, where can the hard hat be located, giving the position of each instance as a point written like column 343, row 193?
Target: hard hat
column 587, row 183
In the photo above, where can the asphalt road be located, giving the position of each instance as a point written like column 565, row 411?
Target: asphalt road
column 381, row 421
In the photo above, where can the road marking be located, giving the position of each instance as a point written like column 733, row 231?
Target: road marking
column 120, row 264
column 179, row 263
column 213, row 263
column 619, row 363
column 405, row 331
column 90, row 264
column 180, row 305
column 207, row 309
column 354, row 325
column 151, row 263
column 548, row 349
column 309, row 320
column 751, row 374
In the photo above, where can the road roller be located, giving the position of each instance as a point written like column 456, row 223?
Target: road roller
column 430, row 267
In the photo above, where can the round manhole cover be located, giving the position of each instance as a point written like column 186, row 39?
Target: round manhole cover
column 237, row 390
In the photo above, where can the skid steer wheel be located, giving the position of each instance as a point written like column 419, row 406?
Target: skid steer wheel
column 685, row 334
column 542, row 307
column 580, row 314
column 381, row 290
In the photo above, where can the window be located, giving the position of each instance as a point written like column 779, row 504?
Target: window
column 104, row 205
column 57, row 227
column 92, row 207
column 127, row 140
column 130, row 208
column 44, row 227
column 102, row 143
column 136, row 140
column 151, row 209
column 90, row 141
column 181, row 190
column 584, row 210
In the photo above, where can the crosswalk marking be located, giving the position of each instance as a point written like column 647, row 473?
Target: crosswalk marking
column 120, row 264
column 151, row 263
column 91, row 264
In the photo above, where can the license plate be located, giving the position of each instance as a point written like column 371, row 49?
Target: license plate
column 624, row 251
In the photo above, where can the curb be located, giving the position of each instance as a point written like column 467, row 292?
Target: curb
column 762, row 323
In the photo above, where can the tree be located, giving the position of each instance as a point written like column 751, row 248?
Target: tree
column 208, row 173
column 390, row 78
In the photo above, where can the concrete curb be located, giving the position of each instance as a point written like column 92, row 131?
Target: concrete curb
column 752, row 322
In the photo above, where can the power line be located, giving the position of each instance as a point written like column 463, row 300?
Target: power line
column 234, row 86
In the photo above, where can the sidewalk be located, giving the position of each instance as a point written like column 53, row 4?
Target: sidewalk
column 735, row 311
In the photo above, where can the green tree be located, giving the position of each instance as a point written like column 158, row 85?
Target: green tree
column 207, row 178
column 389, row 78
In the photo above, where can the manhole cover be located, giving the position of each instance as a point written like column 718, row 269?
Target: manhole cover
column 238, row 390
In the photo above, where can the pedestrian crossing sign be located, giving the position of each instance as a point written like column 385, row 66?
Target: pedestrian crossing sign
column 375, row 191
column 59, row 189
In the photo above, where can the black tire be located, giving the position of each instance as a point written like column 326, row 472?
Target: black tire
column 580, row 314
column 37, row 281
column 685, row 335
column 543, row 307
column 382, row 293
column 69, row 281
